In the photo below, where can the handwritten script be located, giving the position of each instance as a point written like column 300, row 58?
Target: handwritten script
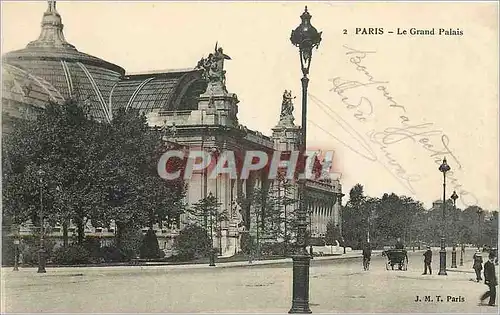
column 354, row 95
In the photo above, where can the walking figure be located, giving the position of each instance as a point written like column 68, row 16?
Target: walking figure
column 490, row 279
column 367, row 254
column 427, row 261
column 478, row 264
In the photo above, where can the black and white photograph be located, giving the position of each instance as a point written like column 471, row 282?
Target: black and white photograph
column 249, row 157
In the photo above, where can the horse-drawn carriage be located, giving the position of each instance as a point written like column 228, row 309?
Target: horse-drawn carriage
column 397, row 257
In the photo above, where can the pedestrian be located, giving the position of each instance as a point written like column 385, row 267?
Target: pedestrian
column 490, row 279
column 367, row 254
column 399, row 244
column 477, row 264
column 427, row 261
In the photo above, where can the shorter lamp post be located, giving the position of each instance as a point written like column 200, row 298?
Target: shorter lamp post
column 41, row 251
column 454, row 197
column 462, row 250
column 479, row 212
column 16, row 253
column 311, row 251
column 443, row 168
column 212, row 251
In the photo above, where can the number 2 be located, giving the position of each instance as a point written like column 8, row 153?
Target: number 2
column 345, row 31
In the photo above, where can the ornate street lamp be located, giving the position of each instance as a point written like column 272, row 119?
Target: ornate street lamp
column 215, row 153
column 311, row 251
column 339, row 198
column 212, row 251
column 443, row 168
column 454, row 197
column 305, row 37
column 41, row 251
column 16, row 247
column 479, row 212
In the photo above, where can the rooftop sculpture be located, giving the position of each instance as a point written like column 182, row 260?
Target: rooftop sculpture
column 213, row 68
column 286, row 116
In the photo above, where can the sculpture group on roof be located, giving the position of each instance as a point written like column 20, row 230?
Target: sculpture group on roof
column 213, row 66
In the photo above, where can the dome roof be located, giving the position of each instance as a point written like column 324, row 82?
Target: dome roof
column 74, row 74
column 22, row 87
column 60, row 72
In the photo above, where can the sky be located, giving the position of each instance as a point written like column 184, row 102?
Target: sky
column 390, row 105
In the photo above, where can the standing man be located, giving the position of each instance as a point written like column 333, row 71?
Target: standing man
column 478, row 264
column 427, row 261
column 490, row 279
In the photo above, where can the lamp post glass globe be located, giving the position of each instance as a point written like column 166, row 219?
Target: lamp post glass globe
column 305, row 37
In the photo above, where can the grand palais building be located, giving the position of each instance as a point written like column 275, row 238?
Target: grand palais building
column 193, row 106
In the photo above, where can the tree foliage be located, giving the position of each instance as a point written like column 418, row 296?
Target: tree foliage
column 392, row 216
column 93, row 171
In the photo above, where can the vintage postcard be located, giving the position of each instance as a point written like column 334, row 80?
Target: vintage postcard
column 249, row 157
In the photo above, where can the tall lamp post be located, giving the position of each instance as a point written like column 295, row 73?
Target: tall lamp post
column 16, row 248
column 454, row 197
column 444, row 167
column 212, row 251
column 339, row 198
column 311, row 251
column 479, row 212
column 305, row 37
column 41, row 251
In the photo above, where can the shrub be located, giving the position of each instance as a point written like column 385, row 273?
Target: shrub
column 247, row 243
column 29, row 247
column 273, row 249
column 113, row 254
column 8, row 250
column 131, row 243
column 149, row 247
column 193, row 242
column 93, row 245
column 72, row 255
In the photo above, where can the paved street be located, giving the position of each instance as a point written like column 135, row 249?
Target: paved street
column 337, row 285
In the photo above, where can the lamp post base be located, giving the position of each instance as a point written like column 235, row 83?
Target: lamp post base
column 442, row 262
column 461, row 257
column 300, row 300
column 16, row 260
column 41, row 261
column 212, row 258
column 454, row 258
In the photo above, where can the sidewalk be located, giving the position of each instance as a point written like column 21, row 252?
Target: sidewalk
column 153, row 265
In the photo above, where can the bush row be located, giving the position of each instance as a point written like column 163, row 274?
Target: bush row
column 89, row 252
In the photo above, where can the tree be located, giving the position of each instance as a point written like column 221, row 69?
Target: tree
column 207, row 207
column 94, row 171
column 130, row 188
column 332, row 233
column 149, row 247
column 59, row 141
column 355, row 217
